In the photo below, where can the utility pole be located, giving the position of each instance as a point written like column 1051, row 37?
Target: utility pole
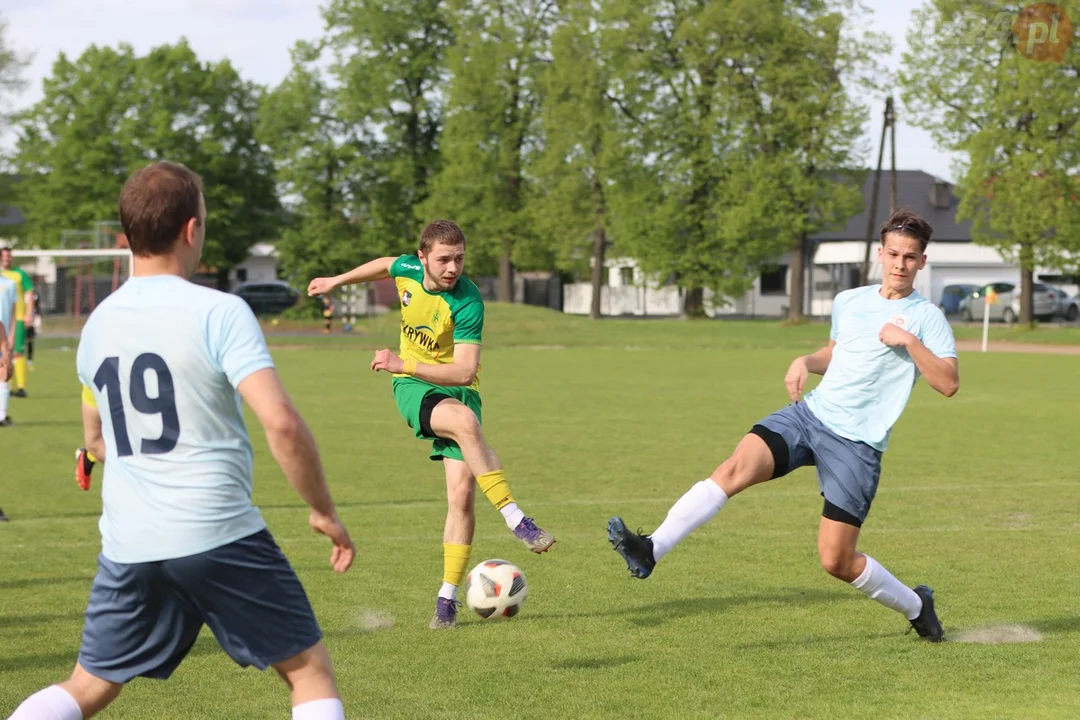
column 871, row 210
column 890, row 112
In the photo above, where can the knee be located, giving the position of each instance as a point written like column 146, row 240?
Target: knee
column 463, row 426
column 840, row 565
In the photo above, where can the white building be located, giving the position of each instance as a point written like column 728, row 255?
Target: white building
column 837, row 258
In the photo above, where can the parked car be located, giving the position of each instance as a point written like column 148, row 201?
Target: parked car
column 1007, row 307
column 268, row 297
column 952, row 297
column 1067, row 307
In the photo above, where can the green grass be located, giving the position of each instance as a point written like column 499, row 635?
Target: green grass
column 977, row 498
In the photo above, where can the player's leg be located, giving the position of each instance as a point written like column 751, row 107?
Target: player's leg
column 19, row 353
column 773, row 448
column 252, row 600
column 312, row 686
column 457, row 539
column 135, row 626
column 81, row 696
column 451, row 419
column 848, row 473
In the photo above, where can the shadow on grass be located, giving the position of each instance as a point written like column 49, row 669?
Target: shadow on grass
column 1057, row 626
column 656, row 614
column 29, row 621
column 63, row 662
column 598, row 663
column 20, row 583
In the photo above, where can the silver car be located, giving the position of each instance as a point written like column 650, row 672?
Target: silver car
column 1007, row 307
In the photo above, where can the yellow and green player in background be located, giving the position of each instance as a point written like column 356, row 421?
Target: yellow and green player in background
column 24, row 316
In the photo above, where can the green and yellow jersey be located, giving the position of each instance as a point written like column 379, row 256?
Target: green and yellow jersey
column 23, row 285
column 432, row 323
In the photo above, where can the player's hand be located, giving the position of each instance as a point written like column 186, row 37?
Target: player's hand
column 795, row 380
column 321, row 286
column 388, row 361
column 7, row 368
column 341, row 558
column 83, row 468
column 895, row 336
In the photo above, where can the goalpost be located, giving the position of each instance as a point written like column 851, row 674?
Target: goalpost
column 72, row 283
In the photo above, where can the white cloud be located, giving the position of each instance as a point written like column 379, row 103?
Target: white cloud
column 257, row 35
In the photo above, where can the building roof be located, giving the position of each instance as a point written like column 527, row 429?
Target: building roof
column 10, row 217
column 914, row 189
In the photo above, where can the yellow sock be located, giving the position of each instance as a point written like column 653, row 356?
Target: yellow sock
column 494, row 486
column 90, row 457
column 20, row 373
column 455, row 562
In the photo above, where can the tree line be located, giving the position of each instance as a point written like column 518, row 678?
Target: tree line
column 704, row 138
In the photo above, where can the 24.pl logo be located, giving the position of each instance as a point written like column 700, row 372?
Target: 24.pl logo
column 1041, row 32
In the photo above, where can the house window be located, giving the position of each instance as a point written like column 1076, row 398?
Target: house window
column 241, row 274
column 626, row 276
column 774, row 282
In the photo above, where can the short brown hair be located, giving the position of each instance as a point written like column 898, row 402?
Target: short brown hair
column 909, row 224
column 155, row 204
column 441, row 231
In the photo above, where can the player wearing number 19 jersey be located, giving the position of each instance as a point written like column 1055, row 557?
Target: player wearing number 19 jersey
column 165, row 364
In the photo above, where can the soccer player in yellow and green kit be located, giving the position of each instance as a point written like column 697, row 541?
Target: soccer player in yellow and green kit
column 24, row 316
column 437, row 390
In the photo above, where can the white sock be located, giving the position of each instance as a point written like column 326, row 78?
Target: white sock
column 5, row 395
column 512, row 515
column 448, row 591
column 689, row 512
column 52, row 703
column 325, row 709
column 879, row 584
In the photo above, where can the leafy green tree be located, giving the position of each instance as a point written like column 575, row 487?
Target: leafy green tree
column 491, row 129
column 998, row 84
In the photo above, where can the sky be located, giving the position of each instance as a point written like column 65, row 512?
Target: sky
column 257, row 35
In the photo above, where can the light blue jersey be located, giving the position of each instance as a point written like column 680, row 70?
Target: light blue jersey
column 868, row 383
column 163, row 357
column 8, row 299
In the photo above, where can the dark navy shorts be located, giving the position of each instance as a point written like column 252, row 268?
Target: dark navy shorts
column 848, row 470
column 143, row 618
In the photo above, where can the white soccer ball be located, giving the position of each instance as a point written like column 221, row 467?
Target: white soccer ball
column 495, row 589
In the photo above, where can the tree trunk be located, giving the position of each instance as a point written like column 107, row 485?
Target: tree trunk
column 598, row 271
column 506, row 274
column 1027, row 281
column 695, row 303
column 798, row 279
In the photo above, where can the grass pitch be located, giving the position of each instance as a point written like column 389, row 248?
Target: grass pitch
column 978, row 499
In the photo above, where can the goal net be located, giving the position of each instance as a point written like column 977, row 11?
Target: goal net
column 71, row 283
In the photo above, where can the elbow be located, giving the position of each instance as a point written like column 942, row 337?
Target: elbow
column 951, row 387
column 285, row 426
column 467, row 378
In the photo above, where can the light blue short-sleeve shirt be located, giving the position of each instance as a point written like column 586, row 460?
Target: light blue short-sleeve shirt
column 868, row 383
column 8, row 300
column 163, row 358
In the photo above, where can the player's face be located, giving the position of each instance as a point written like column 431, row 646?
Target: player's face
column 443, row 265
column 901, row 259
column 5, row 259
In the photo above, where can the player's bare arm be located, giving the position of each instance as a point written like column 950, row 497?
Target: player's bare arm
column 31, row 308
column 460, row 373
column 801, row 367
column 942, row 374
column 293, row 447
column 92, row 438
column 377, row 269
